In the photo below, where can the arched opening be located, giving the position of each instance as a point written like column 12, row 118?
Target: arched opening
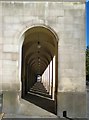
column 39, row 71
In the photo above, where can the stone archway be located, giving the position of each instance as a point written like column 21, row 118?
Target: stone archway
column 68, row 20
column 39, row 58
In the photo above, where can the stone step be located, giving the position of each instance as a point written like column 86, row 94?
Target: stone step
column 32, row 119
column 40, row 93
column 43, row 119
column 23, row 117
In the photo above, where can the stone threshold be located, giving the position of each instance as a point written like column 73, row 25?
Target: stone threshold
column 22, row 117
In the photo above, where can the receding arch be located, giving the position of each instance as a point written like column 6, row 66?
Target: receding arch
column 35, row 47
column 20, row 34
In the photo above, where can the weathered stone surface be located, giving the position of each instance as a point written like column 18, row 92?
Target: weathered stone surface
column 67, row 19
column 10, row 48
column 74, row 100
column 22, row 107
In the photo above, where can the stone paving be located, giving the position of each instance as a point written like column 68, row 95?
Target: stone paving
column 55, row 118
column 42, row 118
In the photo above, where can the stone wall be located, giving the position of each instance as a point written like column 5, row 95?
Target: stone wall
column 67, row 19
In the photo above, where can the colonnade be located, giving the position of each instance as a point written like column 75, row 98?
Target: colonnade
column 48, row 78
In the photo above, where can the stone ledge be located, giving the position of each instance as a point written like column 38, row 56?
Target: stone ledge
column 83, row 1
column 30, row 118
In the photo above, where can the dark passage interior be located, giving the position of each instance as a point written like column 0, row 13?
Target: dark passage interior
column 39, row 69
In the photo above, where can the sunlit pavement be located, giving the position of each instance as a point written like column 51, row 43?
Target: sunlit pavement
column 87, row 88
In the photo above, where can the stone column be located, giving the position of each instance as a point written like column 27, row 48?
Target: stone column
column 71, row 62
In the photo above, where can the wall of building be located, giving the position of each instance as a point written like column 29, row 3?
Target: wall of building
column 67, row 19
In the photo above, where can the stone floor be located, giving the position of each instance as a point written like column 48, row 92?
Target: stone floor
column 52, row 116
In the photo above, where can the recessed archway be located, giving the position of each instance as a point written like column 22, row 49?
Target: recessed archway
column 39, row 73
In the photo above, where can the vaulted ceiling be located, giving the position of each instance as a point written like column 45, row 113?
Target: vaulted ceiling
column 39, row 48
